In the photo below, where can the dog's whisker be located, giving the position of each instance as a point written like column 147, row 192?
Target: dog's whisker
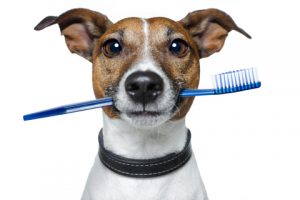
column 157, row 134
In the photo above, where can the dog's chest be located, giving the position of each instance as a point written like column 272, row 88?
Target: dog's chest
column 183, row 184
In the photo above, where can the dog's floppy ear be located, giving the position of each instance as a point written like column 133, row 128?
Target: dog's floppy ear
column 81, row 27
column 209, row 29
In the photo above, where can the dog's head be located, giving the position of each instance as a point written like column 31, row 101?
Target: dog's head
column 144, row 63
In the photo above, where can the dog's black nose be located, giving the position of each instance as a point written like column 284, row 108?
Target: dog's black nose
column 144, row 87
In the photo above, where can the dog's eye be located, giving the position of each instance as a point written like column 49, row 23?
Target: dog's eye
column 112, row 48
column 179, row 48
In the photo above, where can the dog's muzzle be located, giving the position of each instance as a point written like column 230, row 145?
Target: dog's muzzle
column 144, row 86
column 145, row 98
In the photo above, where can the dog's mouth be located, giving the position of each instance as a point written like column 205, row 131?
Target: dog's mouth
column 141, row 111
column 144, row 114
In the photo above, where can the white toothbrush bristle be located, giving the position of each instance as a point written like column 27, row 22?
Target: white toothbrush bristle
column 238, row 80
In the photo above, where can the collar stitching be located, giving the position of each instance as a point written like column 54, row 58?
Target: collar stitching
column 148, row 174
column 146, row 165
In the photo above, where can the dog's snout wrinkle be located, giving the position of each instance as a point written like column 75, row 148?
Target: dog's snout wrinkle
column 144, row 87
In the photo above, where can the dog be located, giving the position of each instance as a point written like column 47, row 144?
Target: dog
column 145, row 150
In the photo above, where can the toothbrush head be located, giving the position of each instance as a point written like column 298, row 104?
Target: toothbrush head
column 235, row 81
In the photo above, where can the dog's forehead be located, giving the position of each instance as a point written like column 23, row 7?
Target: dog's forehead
column 155, row 27
column 162, row 29
column 127, row 28
column 165, row 25
column 133, row 24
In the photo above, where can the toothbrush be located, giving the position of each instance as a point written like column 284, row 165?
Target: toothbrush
column 228, row 82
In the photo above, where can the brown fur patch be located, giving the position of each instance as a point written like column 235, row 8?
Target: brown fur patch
column 108, row 71
column 185, row 71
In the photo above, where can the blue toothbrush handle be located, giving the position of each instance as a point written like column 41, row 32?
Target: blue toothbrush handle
column 69, row 108
column 98, row 103
column 193, row 92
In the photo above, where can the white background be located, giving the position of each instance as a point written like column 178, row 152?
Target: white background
column 247, row 144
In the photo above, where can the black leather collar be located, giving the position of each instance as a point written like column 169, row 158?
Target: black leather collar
column 143, row 168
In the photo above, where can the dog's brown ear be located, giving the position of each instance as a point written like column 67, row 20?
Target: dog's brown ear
column 209, row 28
column 81, row 27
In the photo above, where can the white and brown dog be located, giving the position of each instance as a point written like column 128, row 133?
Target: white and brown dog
column 145, row 148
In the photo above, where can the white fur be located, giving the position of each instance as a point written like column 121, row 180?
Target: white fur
column 149, row 138
column 140, row 143
column 121, row 138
